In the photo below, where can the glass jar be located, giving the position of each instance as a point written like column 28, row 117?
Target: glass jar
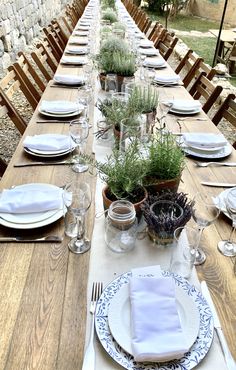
column 121, row 226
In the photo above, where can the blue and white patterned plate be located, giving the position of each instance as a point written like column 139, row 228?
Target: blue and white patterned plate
column 190, row 359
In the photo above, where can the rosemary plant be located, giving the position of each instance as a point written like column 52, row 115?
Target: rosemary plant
column 166, row 159
column 109, row 15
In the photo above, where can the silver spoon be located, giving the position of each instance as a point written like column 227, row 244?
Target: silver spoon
column 216, row 164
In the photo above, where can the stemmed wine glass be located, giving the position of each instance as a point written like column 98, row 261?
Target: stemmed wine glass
column 228, row 247
column 77, row 199
column 165, row 104
column 79, row 130
column 204, row 213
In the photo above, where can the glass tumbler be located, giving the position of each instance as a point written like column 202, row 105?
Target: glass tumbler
column 121, row 226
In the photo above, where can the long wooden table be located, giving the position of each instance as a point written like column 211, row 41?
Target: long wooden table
column 43, row 287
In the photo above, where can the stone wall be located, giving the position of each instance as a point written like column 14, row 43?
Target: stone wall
column 212, row 9
column 21, row 21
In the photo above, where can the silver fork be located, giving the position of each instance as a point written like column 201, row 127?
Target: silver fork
column 217, row 164
column 89, row 357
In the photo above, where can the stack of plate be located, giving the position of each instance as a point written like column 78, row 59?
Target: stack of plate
column 167, row 80
column 76, row 51
column 73, row 60
column 146, row 44
column 49, row 145
column 205, row 145
column 154, row 63
column 60, row 108
column 78, row 41
column 34, row 220
column 69, row 80
column 112, row 322
column 148, row 51
column 188, row 107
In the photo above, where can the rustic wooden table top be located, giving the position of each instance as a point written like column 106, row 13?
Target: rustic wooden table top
column 43, row 287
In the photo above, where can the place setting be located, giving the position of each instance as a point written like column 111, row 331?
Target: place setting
column 60, row 108
column 157, row 63
column 205, row 145
column 68, row 81
column 69, row 60
column 31, row 206
column 76, row 50
column 127, row 328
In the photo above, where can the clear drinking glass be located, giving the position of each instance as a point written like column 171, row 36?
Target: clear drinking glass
column 149, row 74
column 184, row 251
column 111, row 83
column 165, row 104
column 79, row 130
column 77, row 200
column 204, row 213
column 228, row 247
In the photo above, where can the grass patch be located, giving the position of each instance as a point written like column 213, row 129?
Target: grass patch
column 203, row 46
column 186, row 23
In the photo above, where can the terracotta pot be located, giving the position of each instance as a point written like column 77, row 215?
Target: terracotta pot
column 107, row 201
column 102, row 79
column 155, row 186
column 122, row 79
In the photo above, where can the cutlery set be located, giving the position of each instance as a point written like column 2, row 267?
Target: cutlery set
column 30, row 239
column 231, row 365
column 48, row 163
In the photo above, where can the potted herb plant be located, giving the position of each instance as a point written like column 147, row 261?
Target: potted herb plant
column 165, row 163
column 164, row 214
column 123, row 175
column 109, row 15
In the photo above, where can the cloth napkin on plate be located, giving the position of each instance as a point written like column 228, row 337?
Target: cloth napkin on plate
column 154, row 63
column 146, row 44
column 59, row 106
column 167, row 79
column 186, row 105
column 149, row 51
column 73, row 60
column 204, row 140
column 19, row 200
column 155, row 325
column 78, row 40
column 69, row 80
column 48, row 142
column 74, row 50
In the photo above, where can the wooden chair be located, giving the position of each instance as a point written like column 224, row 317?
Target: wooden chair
column 231, row 59
column 226, row 110
column 6, row 107
column 166, row 45
column 204, row 88
column 44, row 60
column 152, row 30
column 27, row 74
column 147, row 26
column 190, row 67
column 11, row 83
column 55, row 41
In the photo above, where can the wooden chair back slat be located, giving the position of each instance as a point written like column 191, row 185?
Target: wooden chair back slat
column 12, row 112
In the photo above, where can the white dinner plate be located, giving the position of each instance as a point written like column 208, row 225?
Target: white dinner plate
column 185, row 112
column 79, row 51
column 221, row 153
column 149, row 51
column 190, row 359
column 61, row 115
column 73, row 60
column 31, row 220
column 51, row 154
column 120, row 324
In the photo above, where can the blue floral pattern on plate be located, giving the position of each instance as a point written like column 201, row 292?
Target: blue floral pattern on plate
column 190, row 359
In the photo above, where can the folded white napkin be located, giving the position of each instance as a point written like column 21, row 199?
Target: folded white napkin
column 80, row 33
column 78, row 40
column 186, row 105
column 149, row 51
column 59, row 106
column 48, row 142
column 72, row 60
column 154, row 63
column 204, row 140
column 146, row 43
column 76, row 50
column 68, row 79
column 167, row 79
column 155, row 325
column 19, row 200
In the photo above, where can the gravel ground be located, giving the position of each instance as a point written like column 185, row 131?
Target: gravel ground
column 10, row 136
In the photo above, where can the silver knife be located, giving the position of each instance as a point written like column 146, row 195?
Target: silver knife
column 30, row 239
column 218, row 184
column 51, row 163
column 231, row 365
